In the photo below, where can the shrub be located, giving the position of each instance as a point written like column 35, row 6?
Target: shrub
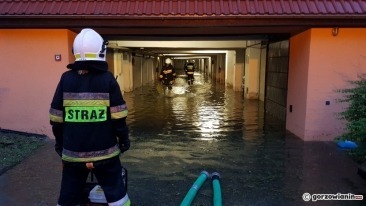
column 355, row 113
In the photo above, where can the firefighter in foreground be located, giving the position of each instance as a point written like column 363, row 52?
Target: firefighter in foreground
column 88, row 118
column 167, row 74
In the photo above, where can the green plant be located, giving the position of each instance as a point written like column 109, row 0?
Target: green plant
column 355, row 113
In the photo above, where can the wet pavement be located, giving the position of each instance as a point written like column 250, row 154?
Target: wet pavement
column 203, row 127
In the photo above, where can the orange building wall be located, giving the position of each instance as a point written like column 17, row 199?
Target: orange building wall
column 297, row 83
column 29, row 76
column 321, row 63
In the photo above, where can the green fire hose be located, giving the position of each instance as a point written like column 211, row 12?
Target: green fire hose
column 191, row 194
column 217, row 198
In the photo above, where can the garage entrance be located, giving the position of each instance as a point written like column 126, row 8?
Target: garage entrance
column 256, row 66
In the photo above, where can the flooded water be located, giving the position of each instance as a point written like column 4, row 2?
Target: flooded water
column 207, row 127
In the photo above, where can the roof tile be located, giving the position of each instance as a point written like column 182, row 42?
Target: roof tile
column 137, row 8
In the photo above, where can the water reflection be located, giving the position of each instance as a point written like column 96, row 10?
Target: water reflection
column 206, row 126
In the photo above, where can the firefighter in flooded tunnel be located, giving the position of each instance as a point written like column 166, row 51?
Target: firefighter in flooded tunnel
column 167, row 74
column 189, row 69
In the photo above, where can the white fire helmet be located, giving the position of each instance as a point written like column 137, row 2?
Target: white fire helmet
column 89, row 45
column 168, row 61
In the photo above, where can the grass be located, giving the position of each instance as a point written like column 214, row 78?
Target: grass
column 16, row 146
column 358, row 154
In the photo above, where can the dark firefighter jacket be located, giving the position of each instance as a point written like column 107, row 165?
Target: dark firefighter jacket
column 189, row 69
column 88, row 113
column 167, row 73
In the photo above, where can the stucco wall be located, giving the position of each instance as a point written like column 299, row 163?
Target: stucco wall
column 320, row 63
column 297, row 83
column 29, row 76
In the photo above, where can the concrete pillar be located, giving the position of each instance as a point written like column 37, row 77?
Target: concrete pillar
column 127, row 72
column 117, row 70
column 230, row 68
column 220, row 65
column 207, row 63
column 262, row 74
column 239, row 69
column 252, row 68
